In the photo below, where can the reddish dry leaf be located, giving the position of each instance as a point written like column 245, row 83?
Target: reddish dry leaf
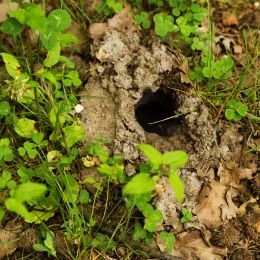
column 213, row 209
column 97, row 30
column 230, row 20
column 123, row 21
column 4, row 7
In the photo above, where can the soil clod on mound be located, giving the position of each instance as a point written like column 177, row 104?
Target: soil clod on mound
column 155, row 112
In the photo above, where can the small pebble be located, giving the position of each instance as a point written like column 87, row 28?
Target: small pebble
column 78, row 108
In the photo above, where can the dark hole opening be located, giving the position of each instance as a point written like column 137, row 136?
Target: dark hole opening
column 156, row 106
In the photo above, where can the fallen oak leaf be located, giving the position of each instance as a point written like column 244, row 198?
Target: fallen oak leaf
column 213, row 209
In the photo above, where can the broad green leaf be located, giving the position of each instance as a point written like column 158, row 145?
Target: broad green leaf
column 2, row 214
column 38, row 216
column 140, row 183
column 84, row 197
column 230, row 113
column 15, row 205
column 53, row 117
column 40, row 248
column 49, row 242
column 34, row 16
column 53, row 56
column 232, row 103
column 30, row 149
column 54, row 156
column 30, row 192
column 139, row 233
column 25, row 127
column 177, row 185
column 176, row 12
column 18, row 14
column 38, row 138
column 6, row 152
column 4, row 108
column 59, row 20
column 152, row 153
column 168, row 239
column 146, row 209
column 71, row 191
column 25, row 174
column 21, row 151
column 11, row 184
column 11, row 26
column 11, row 64
column 207, row 72
column 241, row 109
column 69, row 63
column 186, row 29
column 73, row 134
column 195, row 8
column 175, row 159
column 65, row 39
column 49, row 39
column 150, row 225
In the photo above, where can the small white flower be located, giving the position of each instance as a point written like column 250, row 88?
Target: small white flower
column 78, row 108
column 256, row 4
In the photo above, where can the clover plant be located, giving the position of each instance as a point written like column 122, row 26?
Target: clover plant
column 235, row 110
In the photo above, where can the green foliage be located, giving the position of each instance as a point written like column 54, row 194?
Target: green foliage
column 139, row 187
column 168, row 239
column 140, row 183
column 6, row 153
column 186, row 216
column 32, row 194
column 170, row 160
column 139, row 233
column 6, row 181
column 46, row 244
column 103, row 242
column 164, row 24
column 25, row 127
column 108, row 7
column 143, row 20
column 235, row 110
column 4, row 109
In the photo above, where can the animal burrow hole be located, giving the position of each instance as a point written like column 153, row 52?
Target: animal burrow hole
column 155, row 111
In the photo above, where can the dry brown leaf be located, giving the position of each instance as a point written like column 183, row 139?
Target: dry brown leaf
column 213, row 209
column 230, row 20
column 97, row 30
column 4, row 7
column 227, row 176
column 238, row 49
column 185, row 72
column 123, row 21
column 230, row 211
column 190, row 245
column 9, row 238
